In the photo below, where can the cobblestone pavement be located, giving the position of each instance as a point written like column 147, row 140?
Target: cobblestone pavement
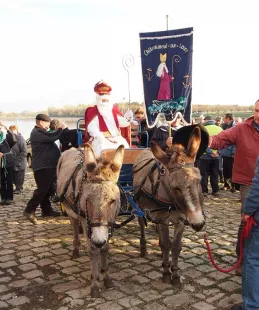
column 37, row 272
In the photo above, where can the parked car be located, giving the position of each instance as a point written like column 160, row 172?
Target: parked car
column 29, row 152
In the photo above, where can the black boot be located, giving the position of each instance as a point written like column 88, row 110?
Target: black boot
column 50, row 212
column 221, row 177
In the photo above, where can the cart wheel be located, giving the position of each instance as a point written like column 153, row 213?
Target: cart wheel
column 63, row 210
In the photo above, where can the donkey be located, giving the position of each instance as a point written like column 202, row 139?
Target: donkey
column 88, row 188
column 170, row 195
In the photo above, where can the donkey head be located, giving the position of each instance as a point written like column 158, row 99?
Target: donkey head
column 101, row 195
column 184, row 178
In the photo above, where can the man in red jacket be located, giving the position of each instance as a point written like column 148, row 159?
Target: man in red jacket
column 246, row 139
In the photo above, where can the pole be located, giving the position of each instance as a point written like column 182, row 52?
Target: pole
column 129, row 88
column 128, row 63
column 168, row 122
column 169, row 129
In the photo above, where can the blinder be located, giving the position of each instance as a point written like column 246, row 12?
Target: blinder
column 75, row 201
column 90, row 224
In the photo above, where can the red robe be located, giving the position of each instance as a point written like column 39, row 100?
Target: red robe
column 92, row 112
column 165, row 87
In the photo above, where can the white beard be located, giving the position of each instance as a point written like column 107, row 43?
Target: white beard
column 160, row 69
column 105, row 108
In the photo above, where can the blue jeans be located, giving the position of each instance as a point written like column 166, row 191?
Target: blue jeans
column 250, row 272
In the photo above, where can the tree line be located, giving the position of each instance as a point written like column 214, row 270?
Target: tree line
column 221, row 109
column 79, row 110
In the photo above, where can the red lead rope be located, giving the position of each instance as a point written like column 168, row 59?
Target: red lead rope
column 245, row 234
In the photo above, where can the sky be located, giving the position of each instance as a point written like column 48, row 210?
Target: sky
column 52, row 52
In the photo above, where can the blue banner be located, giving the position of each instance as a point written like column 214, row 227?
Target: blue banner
column 167, row 72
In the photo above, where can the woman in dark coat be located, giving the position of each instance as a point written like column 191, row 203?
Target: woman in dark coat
column 7, row 141
column 19, row 152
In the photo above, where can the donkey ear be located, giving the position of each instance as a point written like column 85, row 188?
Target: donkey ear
column 194, row 142
column 90, row 160
column 118, row 157
column 159, row 153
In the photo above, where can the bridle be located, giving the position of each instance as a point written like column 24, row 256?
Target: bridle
column 177, row 167
column 74, row 201
column 175, row 206
column 90, row 225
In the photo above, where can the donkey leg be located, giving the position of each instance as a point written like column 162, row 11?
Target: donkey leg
column 164, row 243
column 104, row 266
column 143, row 242
column 176, row 250
column 76, row 241
column 93, row 254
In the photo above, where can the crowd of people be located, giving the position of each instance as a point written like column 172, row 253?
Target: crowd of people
column 237, row 145
column 13, row 156
column 229, row 160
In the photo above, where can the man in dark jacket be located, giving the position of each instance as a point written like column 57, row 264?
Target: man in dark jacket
column 7, row 141
column 228, row 154
column 68, row 139
column 45, row 156
column 161, row 133
column 209, row 161
column 19, row 153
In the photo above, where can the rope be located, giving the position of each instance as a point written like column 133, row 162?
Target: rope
column 244, row 235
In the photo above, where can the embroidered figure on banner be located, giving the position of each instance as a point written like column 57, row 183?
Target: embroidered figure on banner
column 166, row 103
column 148, row 75
column 186, row 83
column 164, row 92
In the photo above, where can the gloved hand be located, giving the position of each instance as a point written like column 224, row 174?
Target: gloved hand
column 129, row 115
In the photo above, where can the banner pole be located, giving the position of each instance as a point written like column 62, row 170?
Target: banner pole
column 166, row 22
column 169, row 129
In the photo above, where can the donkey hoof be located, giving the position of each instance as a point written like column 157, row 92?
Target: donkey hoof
column 176, row 280
column 95, row 293
column 166, row 278
column 75, row 254
column 108, row 283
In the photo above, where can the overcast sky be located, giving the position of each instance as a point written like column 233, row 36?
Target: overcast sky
column 54, row 51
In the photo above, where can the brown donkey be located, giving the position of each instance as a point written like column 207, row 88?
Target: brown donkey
column 170, row 194
column 88, row 188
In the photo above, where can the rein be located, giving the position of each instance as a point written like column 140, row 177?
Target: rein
column 244, row 235
column 74, row 202
column 90, row 224
column 165, row 206
column 180, row 166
